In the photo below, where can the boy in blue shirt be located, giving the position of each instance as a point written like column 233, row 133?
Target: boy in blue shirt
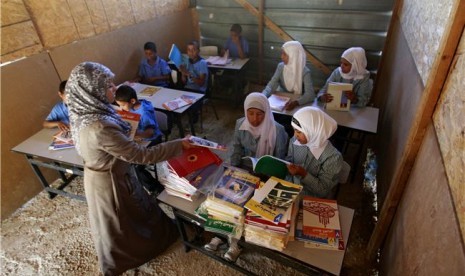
column 59, row 117
column 147, row 129
column 153, row 70
column 195, row 73
column 236, row 44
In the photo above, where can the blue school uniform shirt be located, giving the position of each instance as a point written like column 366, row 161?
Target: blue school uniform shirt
column 147, row 119
column 233, row 51
column 196, row 69
column 160, row 68
column 59, row 113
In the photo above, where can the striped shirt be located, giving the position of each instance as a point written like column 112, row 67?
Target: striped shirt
column 322, row 173
column 245, row 145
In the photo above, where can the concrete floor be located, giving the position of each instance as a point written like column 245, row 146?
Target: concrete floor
column 52, row 237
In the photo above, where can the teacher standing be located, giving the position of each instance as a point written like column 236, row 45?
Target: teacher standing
column 127, row 226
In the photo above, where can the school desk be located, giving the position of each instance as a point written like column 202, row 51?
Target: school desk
column 234, row 71
column 307, row 260
column 35, row 148
column 166, row 94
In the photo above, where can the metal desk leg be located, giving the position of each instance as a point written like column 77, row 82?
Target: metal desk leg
column 178, row 122
column 41, row 177
column 182, row 231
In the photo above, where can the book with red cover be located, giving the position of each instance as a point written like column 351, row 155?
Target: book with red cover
column 192, row 160
column 132, row 118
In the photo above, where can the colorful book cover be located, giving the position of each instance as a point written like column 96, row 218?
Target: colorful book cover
column 321, row 219
column 179, row 102
column 149, row 91
column 340, row 100
column 236, row 186
column 59, row 145
column 273, row 199
column 206, row 143
column 193, row 159
column 269, row 165
column 132, row 118
column 64, row 136
column 175, row 56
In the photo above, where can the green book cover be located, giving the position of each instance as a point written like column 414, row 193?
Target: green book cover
column 270, row 166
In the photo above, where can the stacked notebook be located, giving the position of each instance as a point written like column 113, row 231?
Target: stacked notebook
column 270, row 213
column 190, row 174
column 223, row 210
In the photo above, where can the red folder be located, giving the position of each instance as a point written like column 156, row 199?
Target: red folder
column 192, row 160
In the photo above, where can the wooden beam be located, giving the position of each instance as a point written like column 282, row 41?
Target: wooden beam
column 281, row 33
column 434, row 85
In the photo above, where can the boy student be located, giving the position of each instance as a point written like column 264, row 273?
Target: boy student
column 195, row 73
column 236, row 44
column 153, row 70
column 59, row 117
column 148, row 129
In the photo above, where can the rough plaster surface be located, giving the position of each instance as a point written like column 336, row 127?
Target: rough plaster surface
column 450, row 129
column 423, row 23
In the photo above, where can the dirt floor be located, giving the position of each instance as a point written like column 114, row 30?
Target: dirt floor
column 52, row 237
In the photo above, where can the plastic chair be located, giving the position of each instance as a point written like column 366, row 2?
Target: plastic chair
column 162, row 120
column 206, row 51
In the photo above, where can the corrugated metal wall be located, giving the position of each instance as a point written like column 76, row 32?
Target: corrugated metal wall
column 325, row 27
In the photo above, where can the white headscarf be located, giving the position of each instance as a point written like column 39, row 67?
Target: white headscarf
column 317, row 127
column 266, row 130
column 294, row 68
column 356, row 57
column 87, row 101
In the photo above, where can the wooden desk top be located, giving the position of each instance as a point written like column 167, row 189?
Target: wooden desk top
column 327, row 260
column 38, row 145
column 235, row 64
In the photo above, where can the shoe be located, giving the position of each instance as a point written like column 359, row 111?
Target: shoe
column 213, row 245
column 233, row 253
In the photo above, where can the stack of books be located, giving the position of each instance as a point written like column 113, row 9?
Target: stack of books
column 223, row 210
column 271, row 211
column 190, row 174
column 318, row 224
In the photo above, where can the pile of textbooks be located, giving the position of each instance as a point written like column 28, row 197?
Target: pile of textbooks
column 61, row 140
column 271, row 211
column 190, row 174
column 318, row 224
column 223, row 210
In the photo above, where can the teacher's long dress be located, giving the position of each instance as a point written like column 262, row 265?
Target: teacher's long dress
column 128, row 227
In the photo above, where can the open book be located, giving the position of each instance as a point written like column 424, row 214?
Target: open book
column 278, row 102
column 217, row 60
column 179, row 102
column 269, row 165
column 61, row 140
column 132, row 118
column 205, row 143
column 149, row 91
column 340, row 101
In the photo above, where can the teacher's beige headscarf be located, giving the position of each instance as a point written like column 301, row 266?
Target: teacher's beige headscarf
column 294, row 68
column 317, row 127
column 266, row 130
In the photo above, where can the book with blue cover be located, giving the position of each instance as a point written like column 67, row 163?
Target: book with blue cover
column 176, row 56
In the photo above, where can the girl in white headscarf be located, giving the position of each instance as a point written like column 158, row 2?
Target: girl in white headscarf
column 315, row 162
column 352, row 70
column 257, row 133
column 127, row 226
column 292, row 75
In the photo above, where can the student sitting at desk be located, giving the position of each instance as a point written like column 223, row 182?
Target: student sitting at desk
column 315, row 162
column 257, row 133
column 147, row 130
column 59, row 117
column 153, row 70
column 236, row 44
column 127, row 226
column 352, row 70
column 292, row 75
column 195, row 73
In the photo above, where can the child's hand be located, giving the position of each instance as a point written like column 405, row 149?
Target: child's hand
column 183, row 70
column 296, row 170
column 186, row 144
column 291, row 105
column 326, row 98
column 62, row 126
column 351, row 96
